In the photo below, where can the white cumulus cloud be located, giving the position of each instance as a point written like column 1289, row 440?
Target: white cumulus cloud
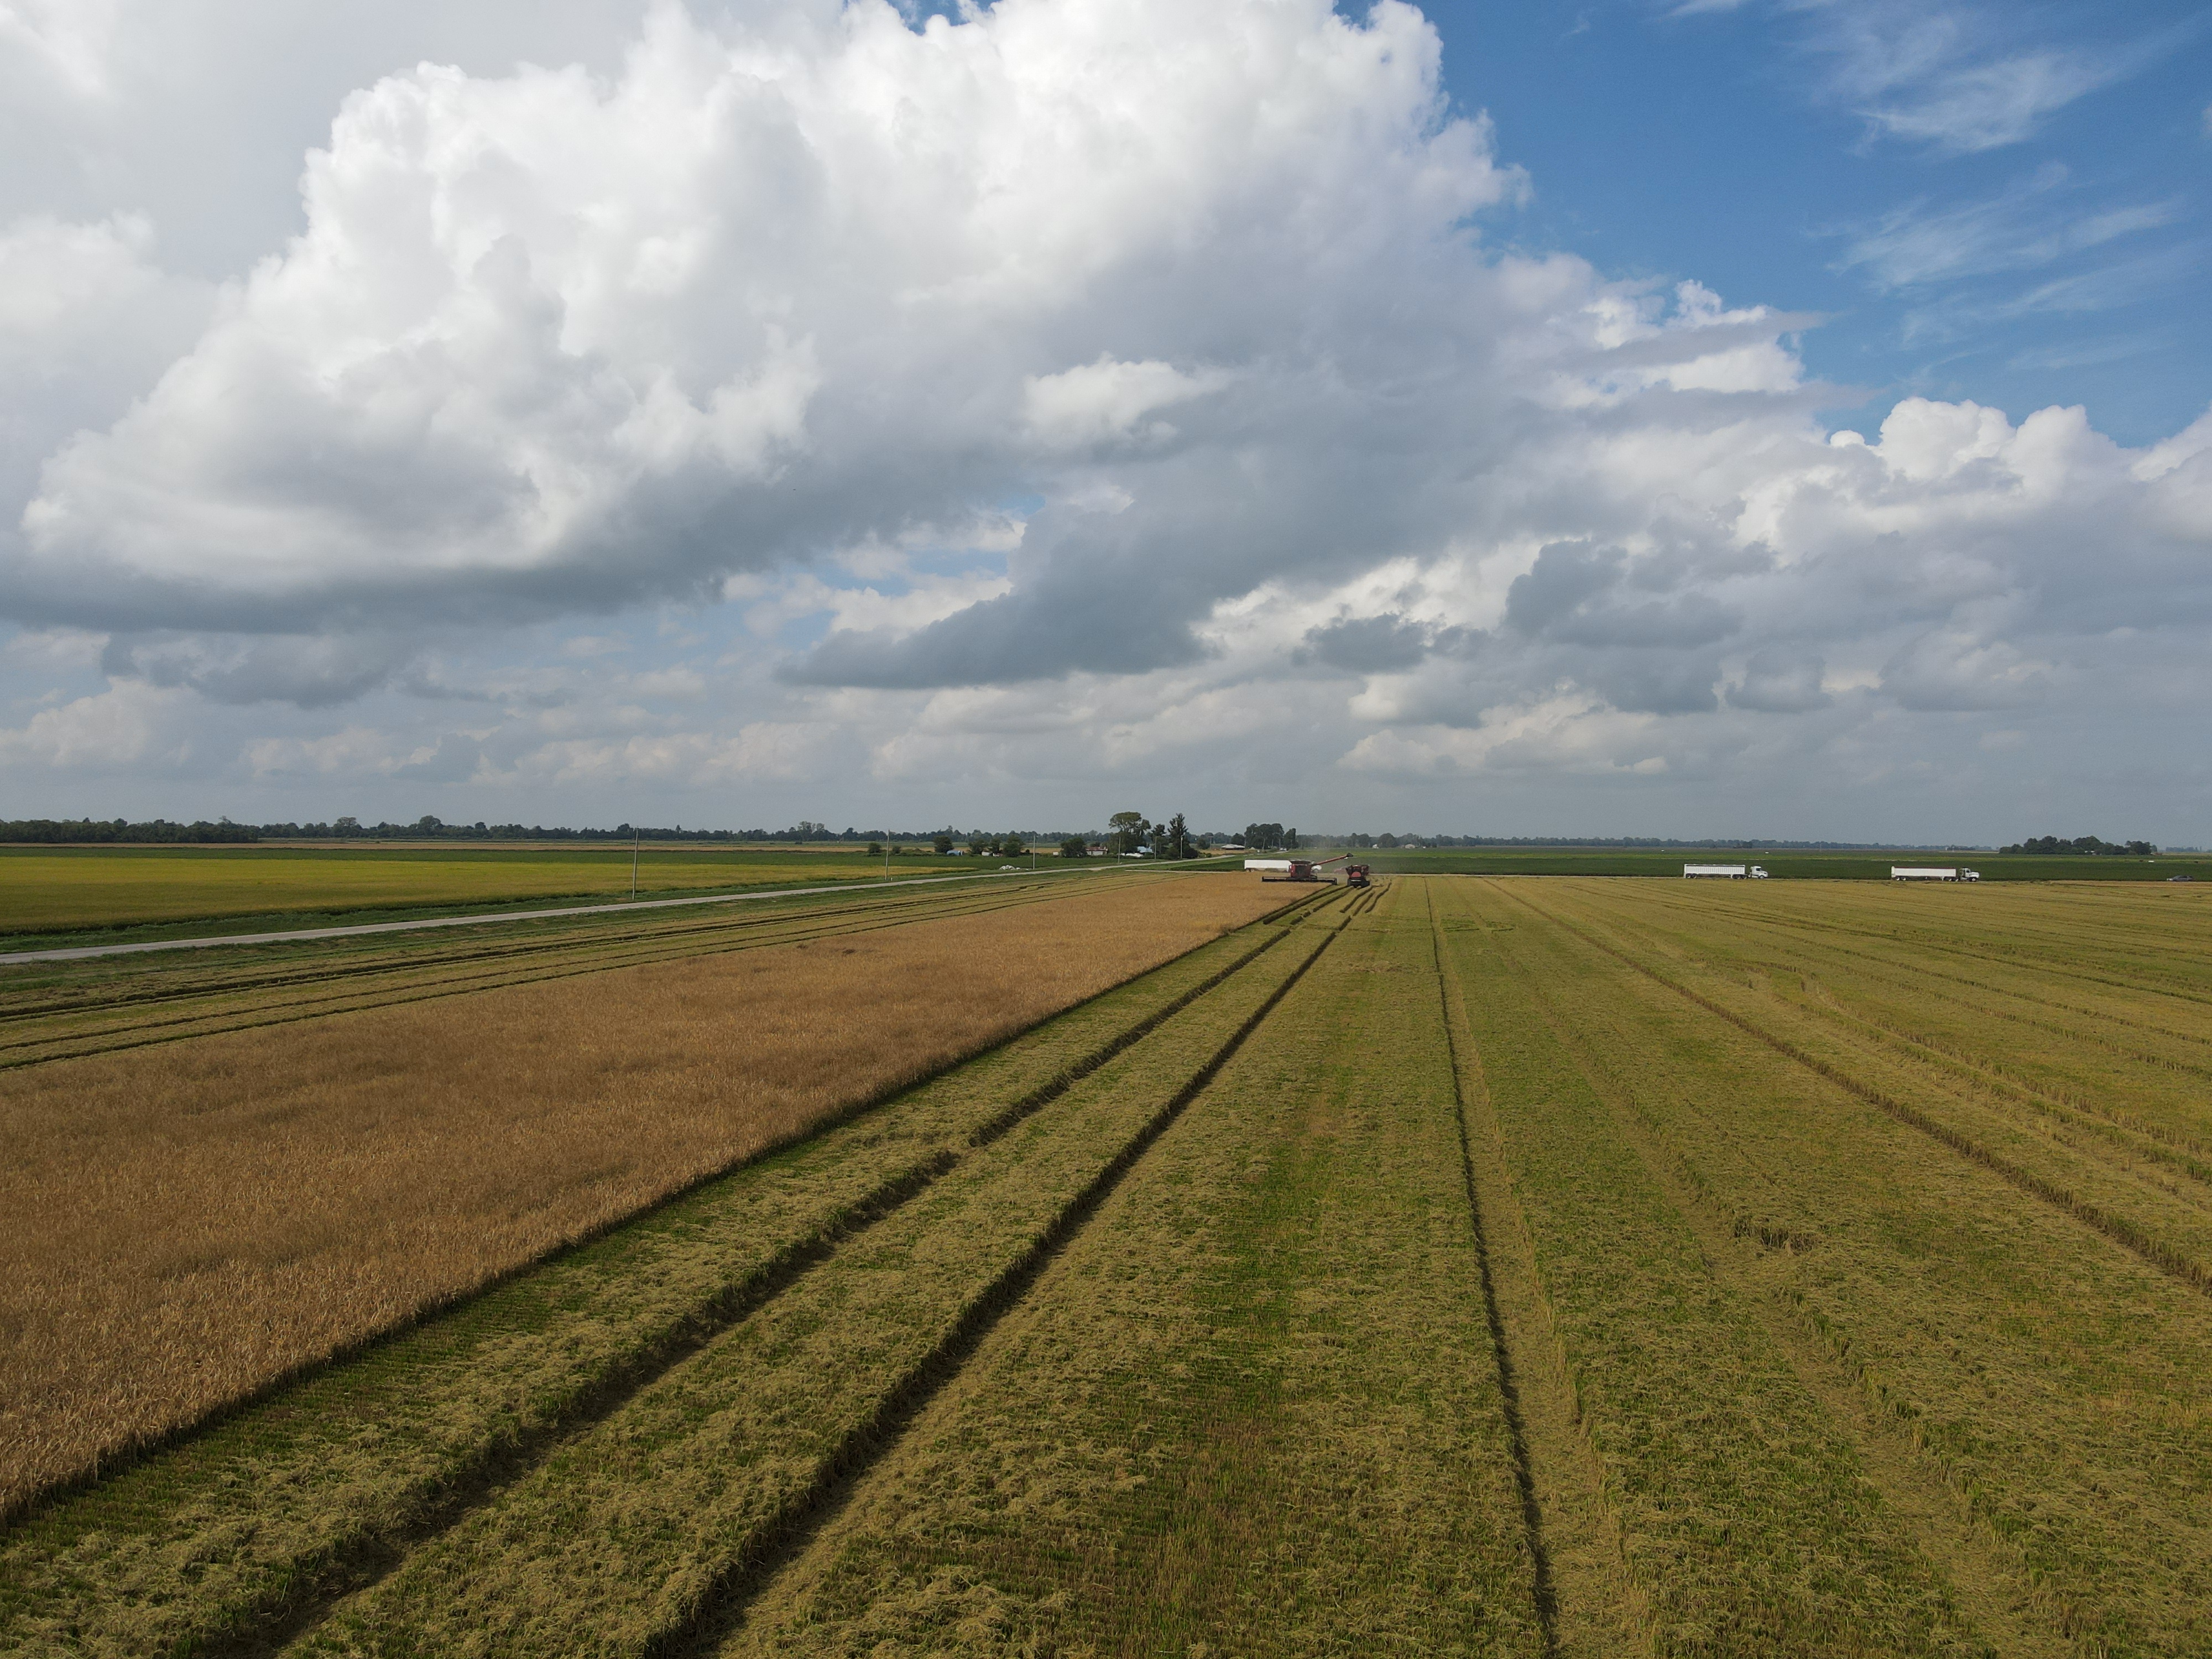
column 1076, row 388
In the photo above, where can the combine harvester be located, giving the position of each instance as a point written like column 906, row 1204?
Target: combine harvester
column 1355, row 875
column 1730, row 871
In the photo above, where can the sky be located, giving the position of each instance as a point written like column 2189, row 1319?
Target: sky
column 1739, row 418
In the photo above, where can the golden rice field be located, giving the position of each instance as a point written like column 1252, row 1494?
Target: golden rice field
column 1466, row 1266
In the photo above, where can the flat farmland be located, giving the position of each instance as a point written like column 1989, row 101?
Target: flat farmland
column 1782, row 864
column 1465, row 1266
column 66, row 890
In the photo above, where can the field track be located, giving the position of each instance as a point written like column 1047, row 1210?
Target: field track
column 102, row 1006
column 1466, row 1266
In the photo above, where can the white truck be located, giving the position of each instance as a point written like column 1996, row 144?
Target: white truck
column 1931, row 872
column 1733, row 872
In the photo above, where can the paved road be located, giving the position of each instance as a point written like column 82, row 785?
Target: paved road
column 82, row 951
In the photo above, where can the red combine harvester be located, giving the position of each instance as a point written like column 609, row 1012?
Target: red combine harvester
column 1355, row 875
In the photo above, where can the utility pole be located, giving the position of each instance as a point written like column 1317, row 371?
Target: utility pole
column 633, row 864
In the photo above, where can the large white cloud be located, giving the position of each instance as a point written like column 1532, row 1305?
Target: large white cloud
column 1176, row 320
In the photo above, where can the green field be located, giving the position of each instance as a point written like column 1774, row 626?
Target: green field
column 1583, row 1268
column 1781, row 865
column 46, row 889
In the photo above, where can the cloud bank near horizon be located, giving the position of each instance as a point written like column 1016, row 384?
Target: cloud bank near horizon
column 1069, row 391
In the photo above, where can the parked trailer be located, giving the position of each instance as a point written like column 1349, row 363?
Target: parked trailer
column 1931, row 872
column 1732, row 871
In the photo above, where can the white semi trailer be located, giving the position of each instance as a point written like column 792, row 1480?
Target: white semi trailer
column 1732, row 871
column 1931, row 872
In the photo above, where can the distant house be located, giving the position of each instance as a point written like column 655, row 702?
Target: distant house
column 1096, row 849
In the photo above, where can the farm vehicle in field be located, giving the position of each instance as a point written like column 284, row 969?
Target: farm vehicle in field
column 1353, row 875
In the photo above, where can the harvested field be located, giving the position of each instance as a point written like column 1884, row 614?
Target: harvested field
column 1574, row 1267
column 186, row 1222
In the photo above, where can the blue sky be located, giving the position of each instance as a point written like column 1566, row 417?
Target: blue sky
column 2027, row 226
column 743, row 410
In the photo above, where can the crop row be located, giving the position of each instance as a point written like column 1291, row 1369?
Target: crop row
column 636, row 1531
column 2112, row 1183
column 1738, row 1506
column 1256, row 1409
column 253, row 1527
column 2117, row 939
column 2053, row 1377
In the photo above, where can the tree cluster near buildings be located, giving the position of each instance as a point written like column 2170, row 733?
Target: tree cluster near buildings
column 2089, row 845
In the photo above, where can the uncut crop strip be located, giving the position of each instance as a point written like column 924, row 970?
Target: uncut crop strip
column 1743, row 1510
column 2057, row 1385
column 591, row 947
column 282, row 1001
column 2105, row 1212
column 64, row 987
column 630, row 1533
column 279, row 1506
column 1254, row 1409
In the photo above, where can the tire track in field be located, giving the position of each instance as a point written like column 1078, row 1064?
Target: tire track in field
column 1988, row 1576
column 2120, row 1126
column 257, row 1629
column 1923, row 942
column 1509, row 1386
column 2113, row 1125
column 607, row 955
column 721, row 1610
column 2151, row 1250
column 2071, row 1033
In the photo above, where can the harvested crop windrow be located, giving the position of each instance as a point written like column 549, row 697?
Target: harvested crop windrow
column 1742, row 1509
column 630, row 1533
column 1254, row 1409
column 2058, row 1384
column 2167, row 1225
column 185, row 1224
column 2082, row 1043
column 245, row 1527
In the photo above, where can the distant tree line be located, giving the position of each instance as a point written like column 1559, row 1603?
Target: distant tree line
column 2089, row 845
column 67, row 831
column 73, row 831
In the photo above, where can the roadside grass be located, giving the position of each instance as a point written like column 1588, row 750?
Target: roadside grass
column 1255, row 1409
column 2060, row 1384
column 1743, row 1512
column 54, row 890
column 630, row 1534
column 186, row 1224
column 288, row 1502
